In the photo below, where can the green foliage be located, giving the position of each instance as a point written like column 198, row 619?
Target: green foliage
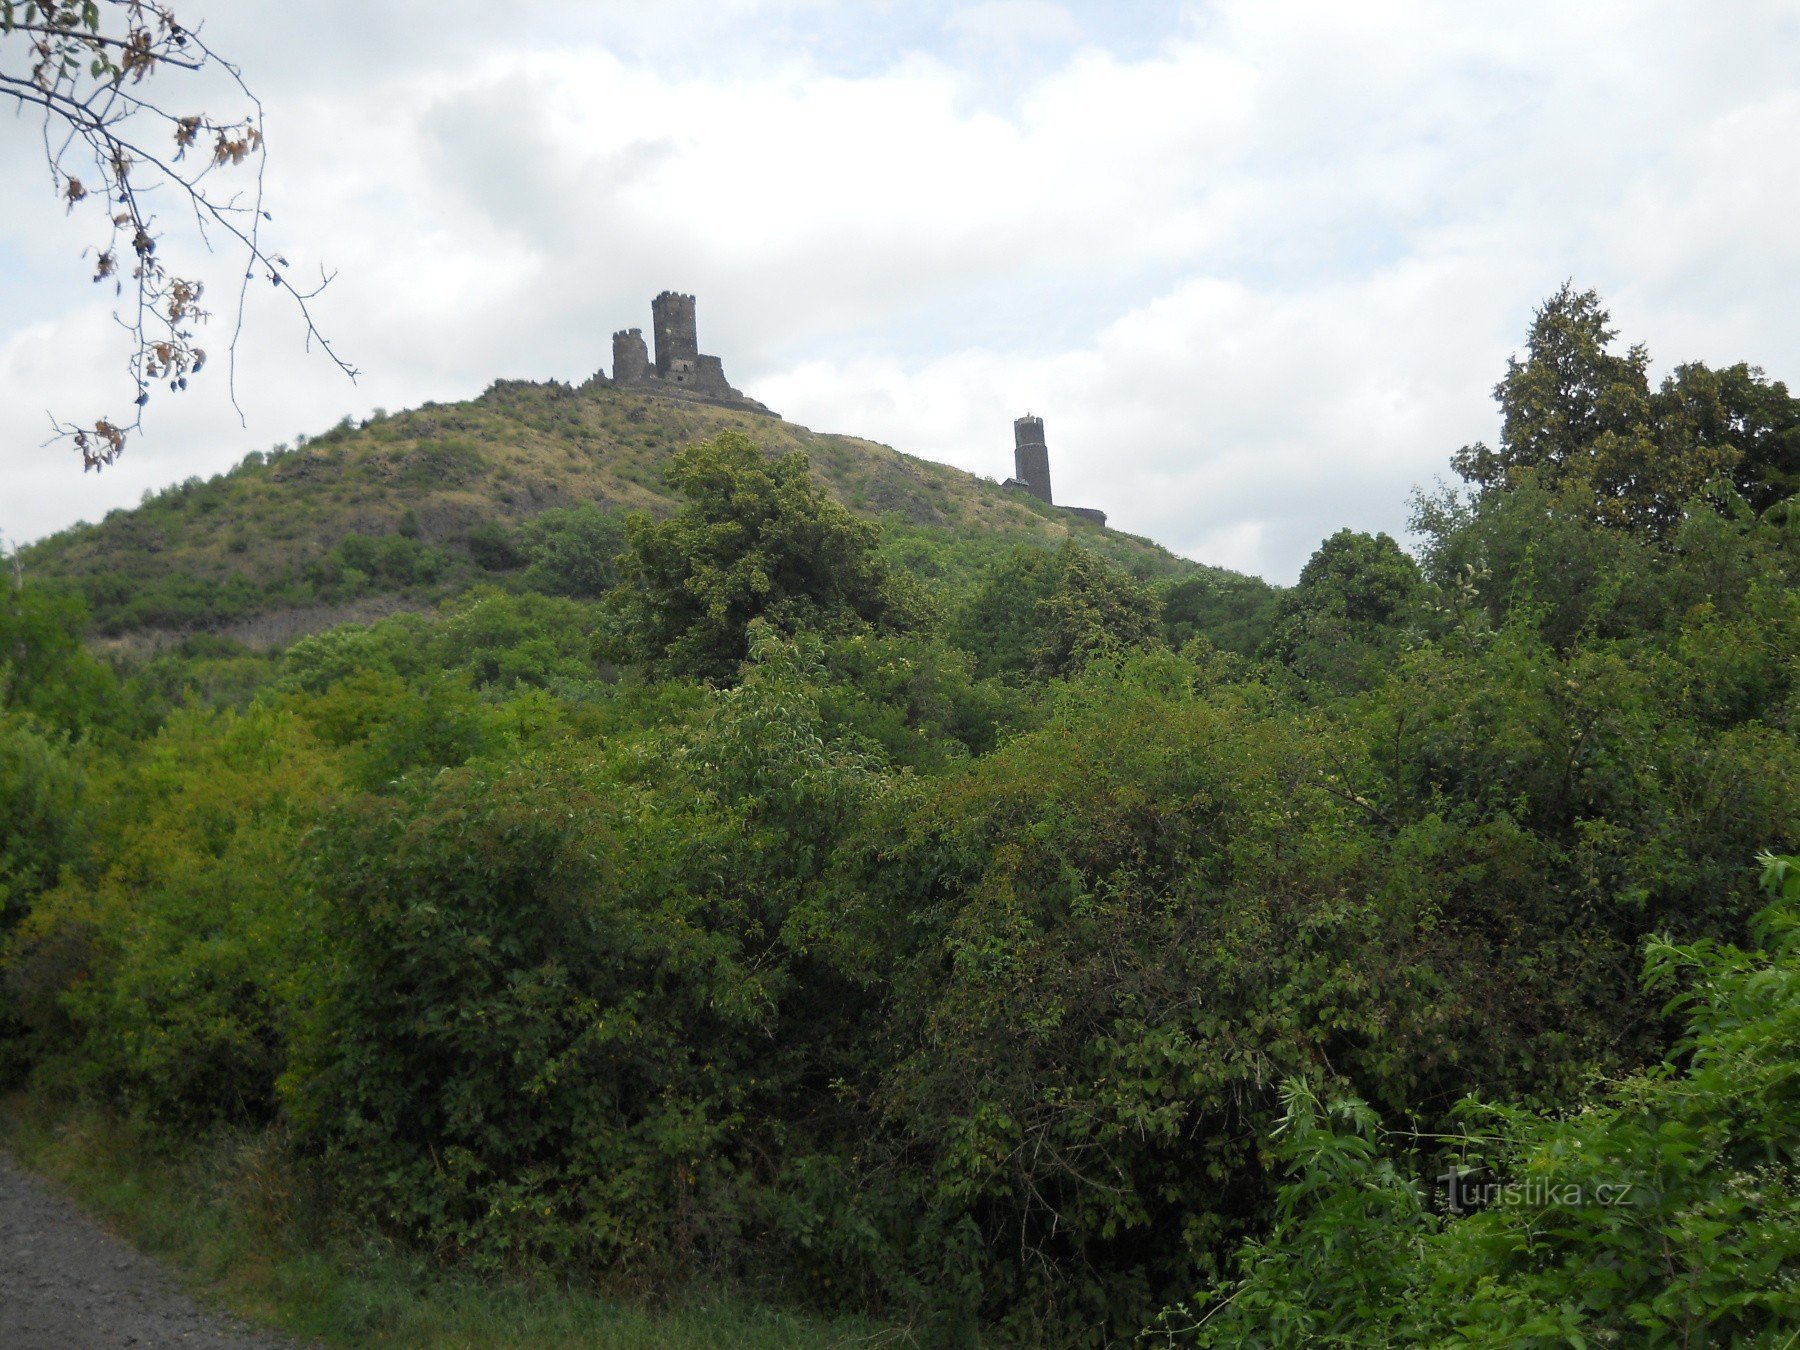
column 948, row 973
column 574, row 552
column 533, row 1045
column 493, row 639
column 44, row 668
column 1341, row 1263
column 388, row 562
column 41, row 790
column 757, row 539
column 913, row 700
column 1580, row 418
column 1091, row 610
column 392, row 647
column 159, row 976
column 1001, row 624
column 43, row 809
column 1666, row 1213
column 1046, row 614
column 1346, row 618
column 494, row 548
column 1233, row 613
column 201, row 670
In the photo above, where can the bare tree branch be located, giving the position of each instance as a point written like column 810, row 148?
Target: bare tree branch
column 80, row 63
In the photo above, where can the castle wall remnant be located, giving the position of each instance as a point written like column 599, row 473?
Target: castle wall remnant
column 679, row 367
column 1031, row 468
column 631, row 359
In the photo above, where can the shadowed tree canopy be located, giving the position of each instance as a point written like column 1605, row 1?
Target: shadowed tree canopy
column 1344, row 619
column 758, row 538
column 1042, row 614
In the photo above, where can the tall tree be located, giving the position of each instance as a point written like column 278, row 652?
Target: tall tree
column 758, row 538
column 1580, row 418
column 1041, row 614
column 1343, row 620
column 1739, row 410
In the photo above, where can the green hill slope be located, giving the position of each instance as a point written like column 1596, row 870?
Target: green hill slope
column 394, row 514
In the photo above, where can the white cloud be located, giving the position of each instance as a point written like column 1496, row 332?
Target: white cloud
column 1010, row 24
column 1258, row 275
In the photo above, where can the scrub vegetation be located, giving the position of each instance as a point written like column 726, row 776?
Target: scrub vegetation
column 767, row 873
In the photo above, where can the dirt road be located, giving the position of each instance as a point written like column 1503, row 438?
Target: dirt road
column 66, row 1282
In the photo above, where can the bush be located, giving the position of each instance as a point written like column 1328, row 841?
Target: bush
column 534, row 1042
column 1667, row 1213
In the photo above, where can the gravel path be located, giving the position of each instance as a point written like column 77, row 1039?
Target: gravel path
column 66, row 1282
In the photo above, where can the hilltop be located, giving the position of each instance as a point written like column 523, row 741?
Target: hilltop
column 405, row 510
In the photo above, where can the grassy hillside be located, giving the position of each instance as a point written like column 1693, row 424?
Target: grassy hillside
column 392, row 514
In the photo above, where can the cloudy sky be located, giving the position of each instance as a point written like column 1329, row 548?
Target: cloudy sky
column 1258, row 264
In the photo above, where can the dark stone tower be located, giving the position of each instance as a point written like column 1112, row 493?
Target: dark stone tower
column 631, row 360
column 677, row 342
column 680, row 369
column 1031, row 457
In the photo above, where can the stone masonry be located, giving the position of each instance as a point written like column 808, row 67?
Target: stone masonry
column 679, row 368
column 1031, row 468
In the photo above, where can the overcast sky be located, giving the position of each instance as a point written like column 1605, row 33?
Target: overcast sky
column 1257, row 265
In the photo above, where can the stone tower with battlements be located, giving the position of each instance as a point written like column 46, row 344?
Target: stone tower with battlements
column 680, row 367
column 1031, row 468
column 677, row 338
column 1031, row 457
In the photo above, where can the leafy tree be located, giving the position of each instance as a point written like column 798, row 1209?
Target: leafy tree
column 1232, row 613
column 160, row 975
column 913, row 699
column 494, row 548
column 395, row 646
column 535, row 1040
column 1666, row 1213
column 1002, row 624
column 1579, row 417
column 41, row 790
column 1092, row 608
column 573, row 552
column 1738, row 410
column 1343, row 621
column 1568, row 391
column 390, row 559
column 1044, row 614
column 45, row 669
column 758, row 538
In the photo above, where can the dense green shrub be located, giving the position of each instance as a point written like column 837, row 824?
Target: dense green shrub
column 928, row 927
column 1665, row 1213
column 573, row 552
column 161, row 974
column 757, row 539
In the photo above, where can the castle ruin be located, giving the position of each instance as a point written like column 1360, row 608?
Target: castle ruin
column 1031, row 468
column 680, row 368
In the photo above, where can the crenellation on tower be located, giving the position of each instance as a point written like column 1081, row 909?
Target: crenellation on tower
column 677, row 337
column 1031, row 467
column 678, row 367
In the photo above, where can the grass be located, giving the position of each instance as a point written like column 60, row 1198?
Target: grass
column 229, row 1216
column 164, row 565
